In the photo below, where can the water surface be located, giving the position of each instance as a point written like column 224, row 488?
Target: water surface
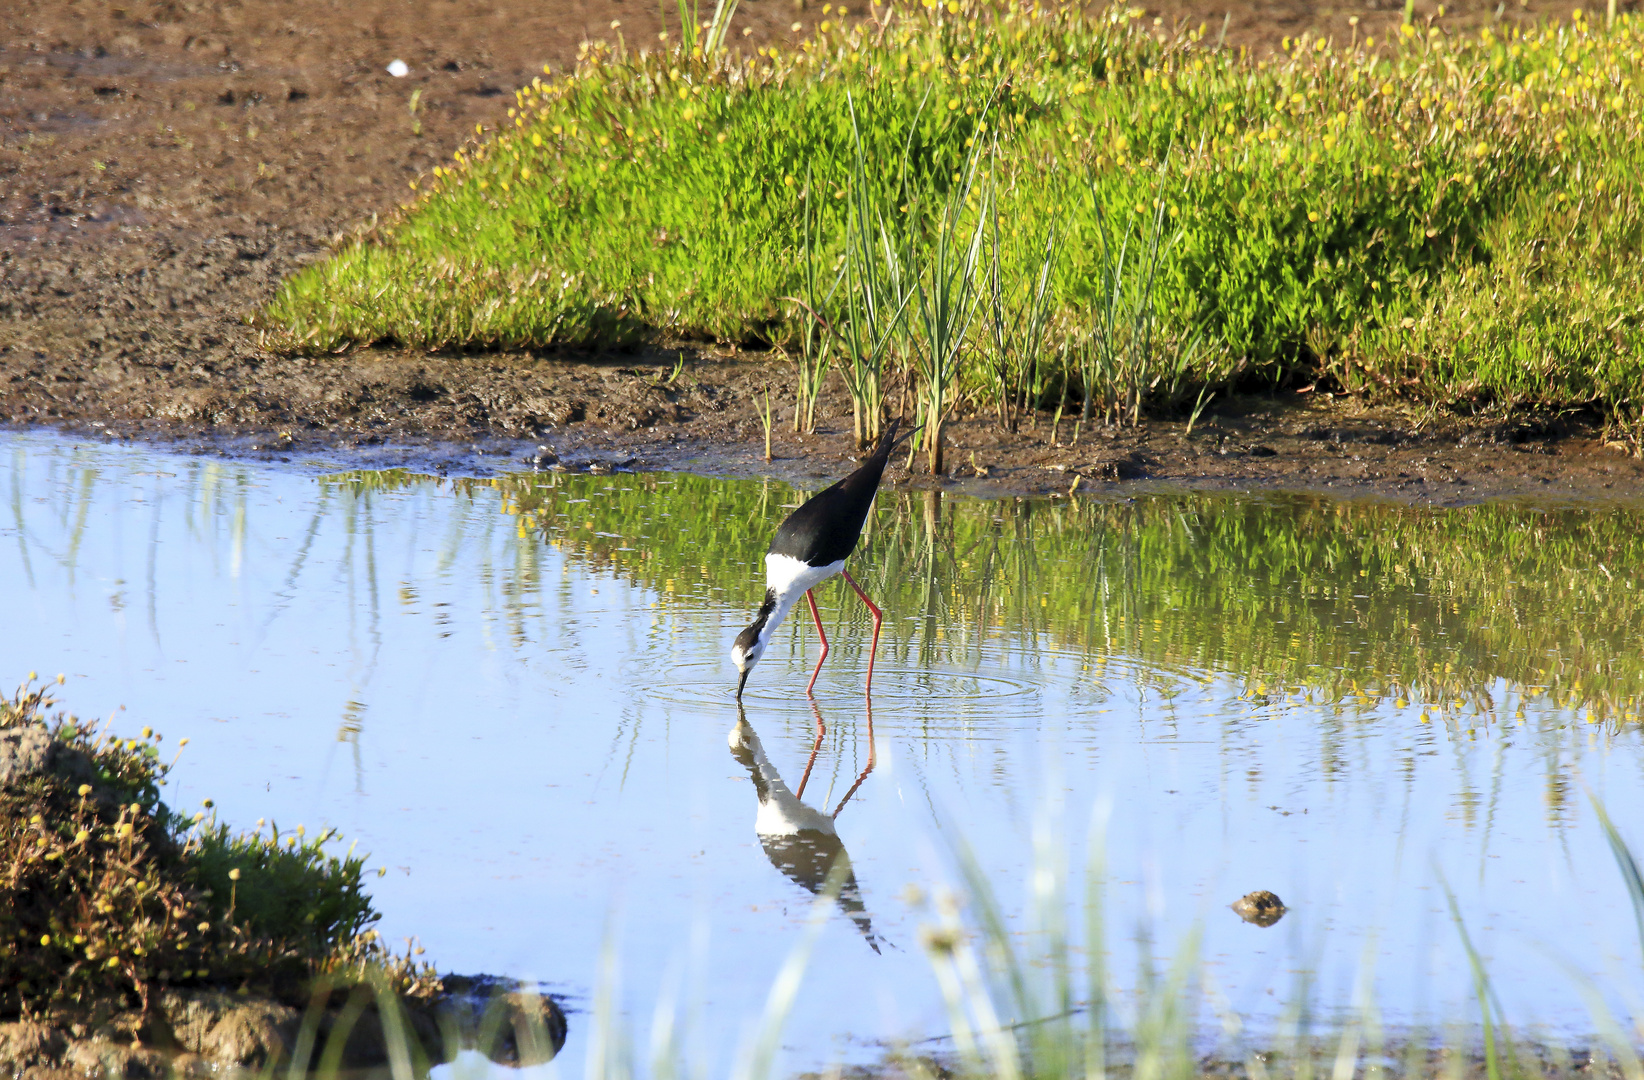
column 515, row 694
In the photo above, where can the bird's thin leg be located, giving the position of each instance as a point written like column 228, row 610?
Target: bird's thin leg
column 818, row 619
column 865, row 771
column 878, row 619
column 821, row 731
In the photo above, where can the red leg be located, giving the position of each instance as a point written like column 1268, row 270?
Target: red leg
column 821, row 732
column 878, row 619
column 818, row 620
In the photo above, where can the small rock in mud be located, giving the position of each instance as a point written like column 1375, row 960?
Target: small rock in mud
column 27, row 752
column 99, row 1058
column 1130, row 467
column 1260, row 907
column 30, row 1044
column 228, row 1031
column 24, row 753
column 603, row 468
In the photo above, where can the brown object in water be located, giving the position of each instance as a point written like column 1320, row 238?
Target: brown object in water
column 1260, row 907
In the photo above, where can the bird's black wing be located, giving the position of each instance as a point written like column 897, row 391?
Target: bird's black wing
column 826, row 528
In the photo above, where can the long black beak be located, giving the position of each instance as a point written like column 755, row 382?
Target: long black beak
column 743, row 681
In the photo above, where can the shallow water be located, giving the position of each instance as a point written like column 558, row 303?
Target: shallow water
column 515, row 694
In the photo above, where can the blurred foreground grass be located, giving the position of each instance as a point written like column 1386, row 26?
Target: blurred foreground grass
column 1140, row 217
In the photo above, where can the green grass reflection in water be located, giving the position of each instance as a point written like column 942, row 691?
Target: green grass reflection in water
column 1352, row 604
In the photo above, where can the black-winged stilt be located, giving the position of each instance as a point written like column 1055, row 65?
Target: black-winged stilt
column 809, row 548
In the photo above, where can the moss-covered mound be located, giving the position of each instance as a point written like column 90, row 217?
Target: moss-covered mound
column 110, row 896
column 1449, row 216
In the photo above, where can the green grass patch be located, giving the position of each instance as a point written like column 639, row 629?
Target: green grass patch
column 1455, row 218
column 111, row 895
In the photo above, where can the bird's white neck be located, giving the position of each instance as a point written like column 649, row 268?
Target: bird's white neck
column 788, row 579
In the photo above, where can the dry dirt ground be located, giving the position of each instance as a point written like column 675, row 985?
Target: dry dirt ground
column 163, row 163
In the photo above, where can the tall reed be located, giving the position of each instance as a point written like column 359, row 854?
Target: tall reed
column 1018, row 317
column 816, row 339
column 949, row 294
column 877, row 287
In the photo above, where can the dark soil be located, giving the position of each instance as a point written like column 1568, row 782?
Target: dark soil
column 164, row 163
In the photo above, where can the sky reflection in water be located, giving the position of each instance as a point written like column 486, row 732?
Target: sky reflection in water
column 516, row 696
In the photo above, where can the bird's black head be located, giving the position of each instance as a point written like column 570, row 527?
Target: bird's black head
column 750, row 644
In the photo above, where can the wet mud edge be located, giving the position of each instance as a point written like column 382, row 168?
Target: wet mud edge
column 487, row 414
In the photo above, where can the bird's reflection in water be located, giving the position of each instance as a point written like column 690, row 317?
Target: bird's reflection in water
column 801, row 841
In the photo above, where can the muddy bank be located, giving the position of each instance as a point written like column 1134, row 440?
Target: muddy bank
column 206, row 1032
column 164, row 165
column 493, row 413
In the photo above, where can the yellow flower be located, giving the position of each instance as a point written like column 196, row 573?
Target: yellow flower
column 82, row 836
column 1312, row 215
column 85, row 789
column 203, row 927
column 953, row 103
column 234, row 874
column 45, row 939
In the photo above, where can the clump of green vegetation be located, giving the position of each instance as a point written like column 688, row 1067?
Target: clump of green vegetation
column 108, row 893
column 1451, row 218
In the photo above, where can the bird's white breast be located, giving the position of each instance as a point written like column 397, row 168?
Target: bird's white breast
column 789, row 576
